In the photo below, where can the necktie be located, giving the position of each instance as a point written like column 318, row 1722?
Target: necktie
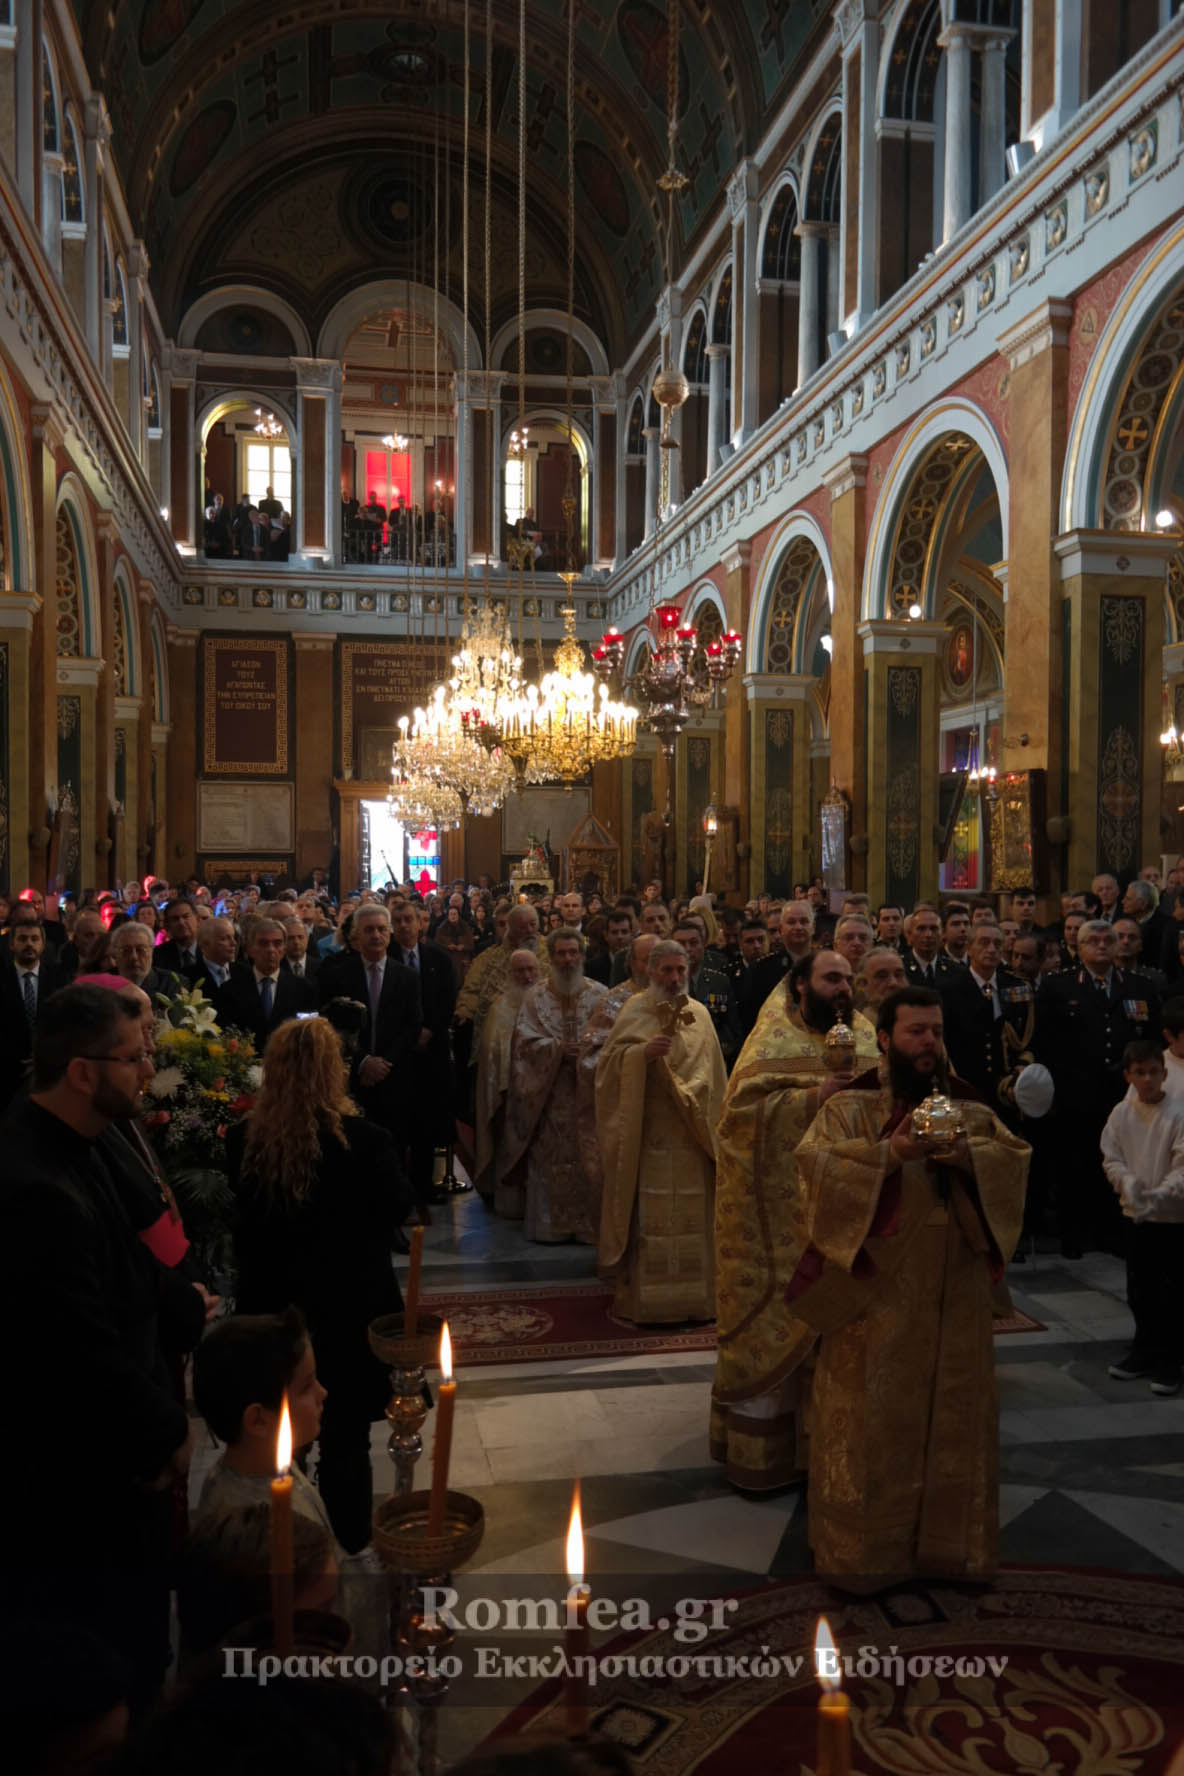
column 375, row 994
column 30, row 991
column 297, row 969
column 267, row 995
column 412, row 959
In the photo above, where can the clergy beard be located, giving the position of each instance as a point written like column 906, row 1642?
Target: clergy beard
column 568, row 980
column 667, row 994
column 911, row 1083
column 820, row 1014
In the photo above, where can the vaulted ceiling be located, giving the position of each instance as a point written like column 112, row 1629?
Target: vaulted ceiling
column 316, row 145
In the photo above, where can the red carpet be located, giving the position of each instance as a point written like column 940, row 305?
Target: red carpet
column 543, row 1323
column 1093, row 1683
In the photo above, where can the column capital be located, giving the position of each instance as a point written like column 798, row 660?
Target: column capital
column 737, row 556
column 49, row 424
column 96, row 119
column 743, row 189
column 886, row 635
column 17, row 610
column 717, row 351
column 817, row 230
column 107, row 527
column 1134, row 555
column 850, row 15
column 181, row 364
column 312, row 641
column 649, row 432
column 768, row 687
column 180, row 638
column 138, row 262
column 1045, row 326
column 79, row 673
column 127, row 708
column 851, row 472
column 146, row 594
column 317, row 376
column 964, row 33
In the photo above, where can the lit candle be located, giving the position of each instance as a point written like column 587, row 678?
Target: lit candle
column 445, row 1405
column 834, row 1716
column 281, row 1537
column 575, row 1638
column 411, row 1304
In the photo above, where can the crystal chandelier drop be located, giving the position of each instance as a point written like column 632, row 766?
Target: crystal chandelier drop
column 421, row 803
column 557, row 730
column 267, row 425
column 670, row 688
column 444, row 747
column 486, row 672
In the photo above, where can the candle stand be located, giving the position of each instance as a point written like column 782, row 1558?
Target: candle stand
column 420, row 1560
column 407, row 1407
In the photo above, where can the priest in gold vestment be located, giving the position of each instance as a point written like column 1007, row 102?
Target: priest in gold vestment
column 659, row 1087
column 542, row 1149
column 484, row 983
column 779, row 1081
column 493, row 1085
column 900, row 1242
column 592, row 1043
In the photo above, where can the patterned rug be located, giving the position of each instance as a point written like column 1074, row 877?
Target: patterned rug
column 1064, row 1673
column 542, row 1323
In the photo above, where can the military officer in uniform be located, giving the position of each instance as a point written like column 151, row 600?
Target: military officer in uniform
column 990, row 1019
column 1085, row 1016
column 711, row 987
column 923, row 965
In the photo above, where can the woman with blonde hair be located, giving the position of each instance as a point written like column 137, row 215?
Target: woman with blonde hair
column 319, row 1197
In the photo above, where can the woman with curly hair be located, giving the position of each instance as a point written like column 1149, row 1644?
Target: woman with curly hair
column 319, row 1197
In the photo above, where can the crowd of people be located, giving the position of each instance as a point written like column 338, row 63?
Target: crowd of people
column 718, row 1101
column 256, row 530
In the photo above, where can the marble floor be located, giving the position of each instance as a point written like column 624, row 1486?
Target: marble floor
column 1091, row 1468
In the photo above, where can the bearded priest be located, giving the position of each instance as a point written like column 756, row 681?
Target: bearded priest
column 542, row 1142
column 783, row 1075
column 659, row 1086
column 904, row 1225
column 493, row 1086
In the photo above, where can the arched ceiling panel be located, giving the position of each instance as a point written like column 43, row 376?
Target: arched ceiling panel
column 209, row 99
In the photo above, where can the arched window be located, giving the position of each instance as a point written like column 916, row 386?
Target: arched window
column 73, row 211
column 782, row 256
column 51, row 134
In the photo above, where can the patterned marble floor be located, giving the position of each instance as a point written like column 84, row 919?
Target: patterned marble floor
column 1091, row 1468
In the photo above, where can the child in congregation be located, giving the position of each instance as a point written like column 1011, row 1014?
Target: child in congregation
column 1143, row 1157
column 241, row 1371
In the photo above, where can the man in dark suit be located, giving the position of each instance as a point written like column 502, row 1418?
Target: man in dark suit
column 381, row 1076
column 179, row 953
column 1139, row 903
column 134, row 957
column 26, row 981
column 260, row 995
column 990, row 1017
column 1085, row 1016
column 430, row 1065
column 710, row 986
column 298, row 958
column 796, row 930
column 87, row 950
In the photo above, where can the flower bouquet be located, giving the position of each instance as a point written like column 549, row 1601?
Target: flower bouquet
column 205, row 1081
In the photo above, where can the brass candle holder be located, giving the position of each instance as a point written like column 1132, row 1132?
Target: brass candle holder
column 407, row 1407
column 425, row 1561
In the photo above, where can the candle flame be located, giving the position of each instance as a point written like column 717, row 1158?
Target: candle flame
column 826, row 1658
column 446, row 1353
column 575, row 1541
column 283, row 1440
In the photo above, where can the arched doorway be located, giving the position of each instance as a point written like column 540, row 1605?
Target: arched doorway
column 248, row 478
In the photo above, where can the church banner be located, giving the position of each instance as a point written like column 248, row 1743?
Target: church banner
column 245, row 705
column 378, row 682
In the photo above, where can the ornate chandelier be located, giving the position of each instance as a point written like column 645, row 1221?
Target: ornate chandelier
column 557, row 730
column 421, row 803
column 670, row 687
column 267, row 425
column 486, row 672
column 443, row 748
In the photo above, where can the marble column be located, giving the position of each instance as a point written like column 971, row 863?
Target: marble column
column 900, row 665
column 463, row 506
column 653, row 475
column 184, row 486
column 497, row 481
column 621, row 478
column 137, row 273
column 52, row 165
column 28, row 103
column 992, row 164
column 958, row 190
column 17, row 613
column 811, row 235
column 737, row 563
column 717, row 369
column 847, row 485
column 861, row 186
column 743, row 189
column 96, row 135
